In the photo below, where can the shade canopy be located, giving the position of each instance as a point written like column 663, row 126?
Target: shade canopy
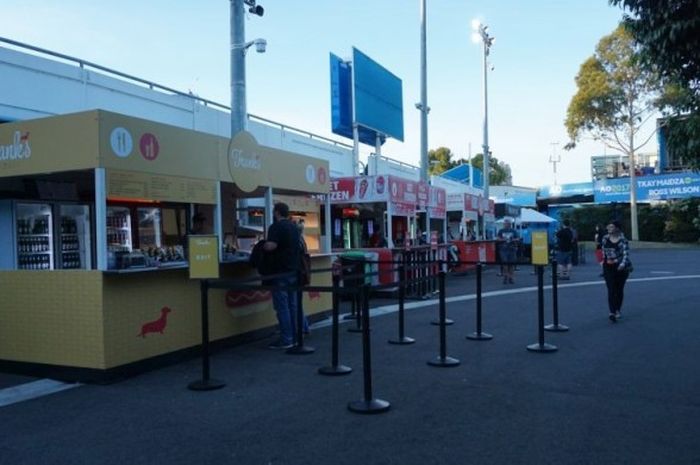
column 528, row 215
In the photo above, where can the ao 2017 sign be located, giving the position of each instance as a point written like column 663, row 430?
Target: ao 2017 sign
column 655, row 187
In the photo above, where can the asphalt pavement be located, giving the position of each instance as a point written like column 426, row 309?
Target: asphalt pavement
column 613, row 393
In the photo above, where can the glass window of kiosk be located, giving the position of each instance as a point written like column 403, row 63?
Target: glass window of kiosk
column 146, row 234
column 46, row 221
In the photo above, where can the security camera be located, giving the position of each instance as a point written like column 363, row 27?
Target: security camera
column 255, row 9
column 260, row 45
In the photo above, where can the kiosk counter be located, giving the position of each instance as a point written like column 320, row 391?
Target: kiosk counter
column 95, row 211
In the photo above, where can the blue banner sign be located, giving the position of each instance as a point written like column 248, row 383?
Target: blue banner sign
column 649, row 188
column 566, row 190
column 378, row 96
column 341, row 103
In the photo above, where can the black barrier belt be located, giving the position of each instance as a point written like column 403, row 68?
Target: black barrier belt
column 464, row 262
column 238, row 286
column 287, row 274
column 338, row 268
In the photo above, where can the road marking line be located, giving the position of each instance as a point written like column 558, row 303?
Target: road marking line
column 27, row 391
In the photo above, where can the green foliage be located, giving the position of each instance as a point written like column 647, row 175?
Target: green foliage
column 440, row 160
column 678, row 221
column 652, row 221
column 500, row 174
column 683, row 224
column 615, row 94
column 668, row 34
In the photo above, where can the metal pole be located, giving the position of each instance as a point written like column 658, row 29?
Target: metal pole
column 335, row 369
column 555, row 326
column 634, row 222
column 368, row 404
column 328, row 242
column 206, row 383
column 486, row 167
column 540, row 345
column 300, row 348
column 479, row 335
column 238, row 93
column 403, row 339
column 443, row 360
column 423, row 97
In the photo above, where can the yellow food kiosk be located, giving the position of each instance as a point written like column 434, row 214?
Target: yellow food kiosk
column 95, row 211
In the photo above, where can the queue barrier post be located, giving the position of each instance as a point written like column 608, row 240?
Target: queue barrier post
column 299, row 347
column 479, row 335
column 335, row 369
column 439, row 321
column 541, row 346
column 356, row 300
column 353, row 315
column 402, row 339
column 206, row 383
column 555, row 326
column 369, row 404
column 443, row 360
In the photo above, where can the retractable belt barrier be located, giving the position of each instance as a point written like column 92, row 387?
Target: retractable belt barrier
column 420, row 271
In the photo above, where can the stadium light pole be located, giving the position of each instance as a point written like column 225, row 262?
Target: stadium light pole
column 423, row 105
column 480, row 34
column 239, row 112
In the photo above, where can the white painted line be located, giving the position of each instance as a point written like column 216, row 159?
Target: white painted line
column 386, row 309
column 662, row 272
column 27, row 391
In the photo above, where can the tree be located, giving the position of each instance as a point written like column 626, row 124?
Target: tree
column 616, row 95
column 440, row 160
column 500, row 173
column 668, row 32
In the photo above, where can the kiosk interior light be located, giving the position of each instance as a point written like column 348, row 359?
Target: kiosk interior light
column 351, row 213
column 130, row 200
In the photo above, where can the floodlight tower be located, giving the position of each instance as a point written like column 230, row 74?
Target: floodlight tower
column 480, row 34
column 239, row 47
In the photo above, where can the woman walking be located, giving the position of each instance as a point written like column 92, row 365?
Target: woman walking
column 616, row 267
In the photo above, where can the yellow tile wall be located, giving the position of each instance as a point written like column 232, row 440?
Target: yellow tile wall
column 52, row 317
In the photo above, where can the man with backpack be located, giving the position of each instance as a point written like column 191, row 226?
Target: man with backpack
column 565, row 248
column 282, row 251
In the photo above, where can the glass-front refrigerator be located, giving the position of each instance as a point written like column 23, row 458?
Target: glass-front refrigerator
column 149, row 228
column 34, row 228
column 119, row 229
column 73, row 245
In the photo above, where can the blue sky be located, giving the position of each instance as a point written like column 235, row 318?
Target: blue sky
column 539, row 47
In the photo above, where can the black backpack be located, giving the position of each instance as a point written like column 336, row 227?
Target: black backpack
column 262, row 261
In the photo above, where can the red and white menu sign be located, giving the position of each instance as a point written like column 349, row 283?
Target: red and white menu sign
column 359, row 189
column 437, row 205
column 402, row 190
column 472, row 203
column 423, row 195
column 342, row 190
column 455, row 202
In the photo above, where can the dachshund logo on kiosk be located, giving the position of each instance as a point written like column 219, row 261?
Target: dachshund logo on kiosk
column 156, row 326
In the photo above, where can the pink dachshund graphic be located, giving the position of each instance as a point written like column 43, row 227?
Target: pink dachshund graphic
column 156, row 326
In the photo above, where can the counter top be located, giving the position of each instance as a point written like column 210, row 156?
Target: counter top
column 141, row 269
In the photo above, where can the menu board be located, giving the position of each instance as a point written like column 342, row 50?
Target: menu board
column 143, row 186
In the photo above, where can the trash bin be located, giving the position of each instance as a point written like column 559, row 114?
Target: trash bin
column 347, row 259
